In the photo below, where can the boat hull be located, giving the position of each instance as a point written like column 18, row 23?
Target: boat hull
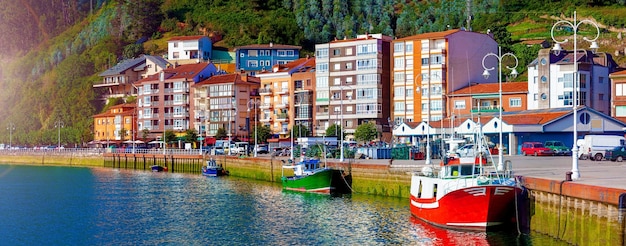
column 157, row 168
column 319, row 182
column 470, row 208
column 213, row 172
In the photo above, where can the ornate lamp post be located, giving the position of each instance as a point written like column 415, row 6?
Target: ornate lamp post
column 486, row 74
column 59, row 124
column 557, row 49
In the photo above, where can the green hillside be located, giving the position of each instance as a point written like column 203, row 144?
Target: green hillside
column 53, row 50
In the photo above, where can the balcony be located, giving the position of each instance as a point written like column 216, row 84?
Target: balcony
column 282, row 105
column 486, row 109
column 265, row 119
column 265, row 91
column 282, row 117
column 283, row 91
column 265, row 106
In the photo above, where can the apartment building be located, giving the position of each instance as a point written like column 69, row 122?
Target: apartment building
column 286, row 96
column 426, row 67
column 222, row 101
column 551, row 80
column 163, row 99
column 259, row 57
column 352, row 82
column 117, row 81
column 115, row 125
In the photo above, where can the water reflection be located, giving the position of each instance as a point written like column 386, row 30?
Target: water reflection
column 128, row 207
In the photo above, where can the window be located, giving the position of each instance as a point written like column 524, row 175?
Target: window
column 398, row 107
column 348, row 65
column 409, row 47
column 515, row 102
column 544, row 79
column 337, row 81
column 366, row 49
column 176, row 55
column 535, row 96
column 337, row 67
column 367, row 64
column 348, row 51
column 544, row 96
column 253, row 64
column 321, row 67
column 436, row 105
column 620, row 111
column 543, row 61
column 322, row 53
column 436, row 59
column 252, row 53
column 321, row 82
column 409, row 92
column 337, row 52
column 398, row 91
column 620, row 90
column 398, row 77
column 459, row 104
column 398, row 62
column 425, row 61
column 398, row 47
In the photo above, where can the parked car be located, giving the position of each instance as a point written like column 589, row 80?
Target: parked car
column 536, row 149
column 262, row 149
column 558, row 147
column 469, row 149
column 616, row 153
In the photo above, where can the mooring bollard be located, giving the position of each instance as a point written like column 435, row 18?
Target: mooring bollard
column 568, row 176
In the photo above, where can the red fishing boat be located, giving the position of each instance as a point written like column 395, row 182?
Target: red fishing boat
column 465, row 192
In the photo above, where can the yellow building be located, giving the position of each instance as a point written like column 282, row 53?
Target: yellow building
column 116, row 125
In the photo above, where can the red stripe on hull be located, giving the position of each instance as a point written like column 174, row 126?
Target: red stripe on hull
column 473, row 208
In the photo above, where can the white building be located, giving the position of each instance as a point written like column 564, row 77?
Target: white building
column 185, row 48
column 551, row 80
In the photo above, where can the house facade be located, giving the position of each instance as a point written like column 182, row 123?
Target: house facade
column 258, row 57
column 164, row 99
column 116, row 125
column 117, row 81
column 551, row 80
column 189, row 49
column 286, row 96
column 485, row 98
column 352, row 83
column 427, row 67
column 221, row 101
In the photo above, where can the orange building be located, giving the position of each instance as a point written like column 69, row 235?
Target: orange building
column 485, row 98
column 116, row 125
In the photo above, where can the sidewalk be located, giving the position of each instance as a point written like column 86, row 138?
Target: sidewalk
column 599, row 173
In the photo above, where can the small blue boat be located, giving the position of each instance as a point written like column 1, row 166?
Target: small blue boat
column 212, row 169
column 157, row 168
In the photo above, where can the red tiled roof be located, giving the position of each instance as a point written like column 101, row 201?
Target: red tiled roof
column 183, row 38
column 620, row 73
column 491, row 88
column 430, row 35
column 228, row 78
column 187, row 71
column 268, row 46
column 533, row 118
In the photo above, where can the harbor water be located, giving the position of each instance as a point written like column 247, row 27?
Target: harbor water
column 50, row 205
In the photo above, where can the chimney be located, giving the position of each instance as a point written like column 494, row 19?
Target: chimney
column 271, row 44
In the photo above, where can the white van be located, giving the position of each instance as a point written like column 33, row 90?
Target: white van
column 594, row 146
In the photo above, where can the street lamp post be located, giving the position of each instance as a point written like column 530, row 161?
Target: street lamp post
column 11, row 128
column 486, row 74
column 253, row 104
column 428, row 159
column 557, row 49
column 59, row 124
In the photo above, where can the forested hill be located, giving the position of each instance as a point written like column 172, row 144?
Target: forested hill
column 54, row 49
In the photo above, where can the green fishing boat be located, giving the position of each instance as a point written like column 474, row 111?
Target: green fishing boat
column 308, row 176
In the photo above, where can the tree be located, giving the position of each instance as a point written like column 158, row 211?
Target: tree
column 190, row 136
column 264, row 133
column 221, row 133
column 123, row 133
column 300, row 130
column 366, row 132
column 170, row 136
column 334, row 130
column 144, row 133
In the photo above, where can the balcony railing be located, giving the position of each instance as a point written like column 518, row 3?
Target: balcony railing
column 265, row 91
column 487, row 109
